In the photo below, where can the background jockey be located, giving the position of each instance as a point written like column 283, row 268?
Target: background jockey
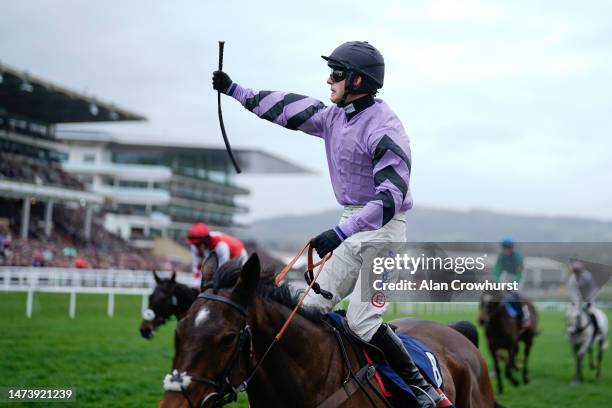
column 509, row 268
column 582, row 290
column 204, row 242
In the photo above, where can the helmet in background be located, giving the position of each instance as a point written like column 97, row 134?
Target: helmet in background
column 197, row 233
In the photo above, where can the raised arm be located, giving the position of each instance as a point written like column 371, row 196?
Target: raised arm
column 292, row 111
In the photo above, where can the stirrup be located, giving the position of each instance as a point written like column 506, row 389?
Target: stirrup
column 422, row 397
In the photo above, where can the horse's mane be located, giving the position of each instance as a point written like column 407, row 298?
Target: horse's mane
column 178, row 286
column 186, row 290
column 226, row 276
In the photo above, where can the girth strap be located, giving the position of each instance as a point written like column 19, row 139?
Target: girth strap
column 364, row 374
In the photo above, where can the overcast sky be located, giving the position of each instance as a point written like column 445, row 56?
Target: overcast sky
column 504, row 102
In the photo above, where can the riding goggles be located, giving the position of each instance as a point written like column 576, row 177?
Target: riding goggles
column 337, row 75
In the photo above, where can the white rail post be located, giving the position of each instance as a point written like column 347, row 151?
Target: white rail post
column 7, row 279
column 29, row 303
column 111, row 304
column 72, row 304
column 145, row 303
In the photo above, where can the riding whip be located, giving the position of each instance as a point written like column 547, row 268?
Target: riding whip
column 225, row 139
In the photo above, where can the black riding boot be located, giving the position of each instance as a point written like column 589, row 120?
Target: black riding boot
column 400, row 360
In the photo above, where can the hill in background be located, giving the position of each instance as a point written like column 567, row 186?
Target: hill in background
column 428, row 224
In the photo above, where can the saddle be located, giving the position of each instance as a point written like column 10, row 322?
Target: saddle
column 392, row 385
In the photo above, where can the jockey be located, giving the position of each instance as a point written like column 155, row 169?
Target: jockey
column 369, row 161
column 204, row 242
column 509, row 268
column 582, row 290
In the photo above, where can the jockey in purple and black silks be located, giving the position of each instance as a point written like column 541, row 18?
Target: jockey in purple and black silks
column 369, row 160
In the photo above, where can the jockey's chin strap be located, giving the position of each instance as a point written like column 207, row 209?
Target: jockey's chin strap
column 224, row 391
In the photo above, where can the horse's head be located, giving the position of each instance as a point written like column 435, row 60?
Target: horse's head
column 165, row 301
column 213, row 341
column 489, row 304
column 162, row 305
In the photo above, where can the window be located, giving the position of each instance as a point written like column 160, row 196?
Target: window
column 133, row 184
column 89, row 158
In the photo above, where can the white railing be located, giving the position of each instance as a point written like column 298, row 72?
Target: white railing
column 113, row 282
column 84, row 281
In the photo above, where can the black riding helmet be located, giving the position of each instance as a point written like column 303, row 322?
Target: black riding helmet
column 359, row 57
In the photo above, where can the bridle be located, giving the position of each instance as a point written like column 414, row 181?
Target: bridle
column 224, row 390
column 150, row 315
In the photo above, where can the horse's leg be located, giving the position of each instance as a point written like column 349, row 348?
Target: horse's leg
column 498, row 377
column 579, row 356
column 510, row 364
column 528, row 343
column 600, row 348
column 591, row 362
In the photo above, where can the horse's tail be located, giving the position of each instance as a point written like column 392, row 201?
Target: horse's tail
column 466, row 328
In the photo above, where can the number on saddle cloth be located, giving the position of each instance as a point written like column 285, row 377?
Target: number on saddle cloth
column 425, row 360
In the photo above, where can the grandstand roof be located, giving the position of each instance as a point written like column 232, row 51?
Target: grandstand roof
column 27, row 97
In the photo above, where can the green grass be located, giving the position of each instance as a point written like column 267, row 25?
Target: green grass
column 110, row 365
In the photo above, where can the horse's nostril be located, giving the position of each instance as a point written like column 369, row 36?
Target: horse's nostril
column 146, row 333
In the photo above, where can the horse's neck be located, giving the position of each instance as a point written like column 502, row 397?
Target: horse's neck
column 185, row 297
column 583, row 319
column 306, row 356
column 501, row 319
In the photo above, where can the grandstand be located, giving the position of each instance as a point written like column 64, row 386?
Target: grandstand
column 154, row 189
column 47, row 216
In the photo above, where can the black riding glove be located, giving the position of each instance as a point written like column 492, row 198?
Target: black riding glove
column 221, row 81
column 326, row 242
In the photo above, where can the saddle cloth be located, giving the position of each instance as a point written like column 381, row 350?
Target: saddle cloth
column 422, row 355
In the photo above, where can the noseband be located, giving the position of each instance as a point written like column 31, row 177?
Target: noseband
column 150, row 315
column 223, row 388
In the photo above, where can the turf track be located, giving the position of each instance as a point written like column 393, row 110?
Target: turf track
column 110, row 365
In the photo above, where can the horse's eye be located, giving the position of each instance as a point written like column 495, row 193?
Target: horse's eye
column 227, row 339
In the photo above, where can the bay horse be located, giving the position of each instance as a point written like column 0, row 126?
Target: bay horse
column 223, row 338
column 169, row 298
column 503, row 332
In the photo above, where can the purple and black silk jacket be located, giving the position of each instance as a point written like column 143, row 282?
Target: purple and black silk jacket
column 368, row 151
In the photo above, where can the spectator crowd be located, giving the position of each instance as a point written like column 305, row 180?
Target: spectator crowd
column 67, row 246
column 17, row 167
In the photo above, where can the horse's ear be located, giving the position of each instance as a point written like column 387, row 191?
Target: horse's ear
column 208, row 270
column 157, row 280
column 173, row 278
column 249, row 278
